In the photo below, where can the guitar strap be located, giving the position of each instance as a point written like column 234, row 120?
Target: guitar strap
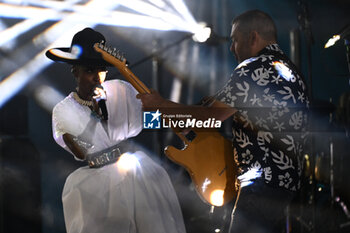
column 234, row 209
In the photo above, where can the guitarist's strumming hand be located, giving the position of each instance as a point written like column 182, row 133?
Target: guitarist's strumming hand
column 218, row 110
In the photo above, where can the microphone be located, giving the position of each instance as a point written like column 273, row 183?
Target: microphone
column 101, row 101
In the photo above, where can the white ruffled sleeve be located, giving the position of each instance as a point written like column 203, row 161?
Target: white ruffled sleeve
column 62, row 123
column 124, row 109
column 57, row 129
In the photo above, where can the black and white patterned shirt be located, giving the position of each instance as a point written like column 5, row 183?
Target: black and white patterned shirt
column 269, row 131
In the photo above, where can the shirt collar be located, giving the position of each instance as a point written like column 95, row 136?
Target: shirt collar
column 272, row 48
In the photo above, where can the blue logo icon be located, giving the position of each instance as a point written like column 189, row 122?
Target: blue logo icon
column 151, row 120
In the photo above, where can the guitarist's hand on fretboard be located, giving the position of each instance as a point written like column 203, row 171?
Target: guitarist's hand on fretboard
column 151, row 101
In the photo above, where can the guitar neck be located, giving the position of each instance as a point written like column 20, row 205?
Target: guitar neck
column 120, row 64
column 134, row 81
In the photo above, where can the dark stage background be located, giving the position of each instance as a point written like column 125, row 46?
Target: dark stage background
column 33, row 167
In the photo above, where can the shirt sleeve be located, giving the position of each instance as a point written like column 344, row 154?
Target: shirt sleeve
column 124, row 108
column 59, row 127
column 235, row 92
column 134, row 108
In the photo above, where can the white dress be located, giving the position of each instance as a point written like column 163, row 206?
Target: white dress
column 133, row 195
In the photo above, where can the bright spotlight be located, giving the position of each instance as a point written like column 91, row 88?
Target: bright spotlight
column 343, row 34
column 284, row 71
column 152, row 14
column 332, row 41
column 127, row 162
column 47, row 97
column 217, row 197
column 248, row 177
column 202, row 33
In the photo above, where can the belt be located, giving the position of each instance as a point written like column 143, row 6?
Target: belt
column 105, row 157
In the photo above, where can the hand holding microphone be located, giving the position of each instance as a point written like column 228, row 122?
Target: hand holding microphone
column 100, row 97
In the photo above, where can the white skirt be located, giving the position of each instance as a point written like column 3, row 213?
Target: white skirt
column 134, row 195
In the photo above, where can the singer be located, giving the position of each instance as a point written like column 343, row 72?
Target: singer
column 93, row 123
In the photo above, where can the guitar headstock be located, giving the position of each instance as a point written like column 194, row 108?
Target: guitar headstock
column 104, row 49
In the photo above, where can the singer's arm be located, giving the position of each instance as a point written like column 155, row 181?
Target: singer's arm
column 73, row 146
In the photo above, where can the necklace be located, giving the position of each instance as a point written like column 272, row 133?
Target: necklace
column 88, row 103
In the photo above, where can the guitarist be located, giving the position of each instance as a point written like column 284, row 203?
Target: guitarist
column 268, row 99
column 120, row 190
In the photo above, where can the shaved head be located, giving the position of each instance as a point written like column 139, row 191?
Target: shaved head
column 258, row 21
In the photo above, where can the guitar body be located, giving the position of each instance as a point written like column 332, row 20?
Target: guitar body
column 208, row 157
column 209, row 161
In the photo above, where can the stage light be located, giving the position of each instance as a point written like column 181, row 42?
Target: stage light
column 11, row 33
column 217, row 197
column 32, row 21
column 151, row 17
column 156, row 14
column 343, row 34
column 332, row 41
column 12, row 84
column 133, row 20
column 201, row 33
column 178, row 23
column 26, row 12
column 47, row 97
column 183, row 10
column 16, row 81
column 158, row 3
column 127, row 162
column 204, row 33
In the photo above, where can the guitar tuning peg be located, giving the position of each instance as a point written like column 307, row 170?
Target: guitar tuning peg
column 114, row 52
column 103, row 47
column 101, row 44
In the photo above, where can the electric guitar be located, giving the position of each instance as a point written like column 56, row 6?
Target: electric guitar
column 207, row 155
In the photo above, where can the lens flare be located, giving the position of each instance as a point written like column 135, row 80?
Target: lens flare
column 127, row 162
column 202, row 33
column 284, row 71
column 217, row 197
column 332, row 41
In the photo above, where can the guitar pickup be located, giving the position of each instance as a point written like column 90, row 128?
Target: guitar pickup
column 190, row 136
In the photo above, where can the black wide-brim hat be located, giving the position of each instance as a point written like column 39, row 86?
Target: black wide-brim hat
column 81, row 51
